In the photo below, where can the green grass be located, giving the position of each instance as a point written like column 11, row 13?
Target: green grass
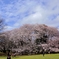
column 3, row 57
column 47, row 56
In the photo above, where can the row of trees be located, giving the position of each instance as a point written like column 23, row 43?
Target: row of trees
column 29, row 39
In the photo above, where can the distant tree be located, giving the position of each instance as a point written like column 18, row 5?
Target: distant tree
column 1, row 24
column 1, row 36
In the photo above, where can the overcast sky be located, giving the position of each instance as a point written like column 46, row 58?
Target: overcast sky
column 19, row 12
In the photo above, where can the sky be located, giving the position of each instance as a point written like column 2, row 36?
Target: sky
column 19, row 12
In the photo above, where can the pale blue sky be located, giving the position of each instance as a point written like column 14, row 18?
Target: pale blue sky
column 19, row 12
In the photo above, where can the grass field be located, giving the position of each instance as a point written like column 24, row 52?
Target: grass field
column 47, row 56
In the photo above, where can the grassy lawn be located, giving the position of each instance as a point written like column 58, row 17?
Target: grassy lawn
column 47, row 56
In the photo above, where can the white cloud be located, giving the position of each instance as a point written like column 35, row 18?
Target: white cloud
column 31, row 12
column 7, row 28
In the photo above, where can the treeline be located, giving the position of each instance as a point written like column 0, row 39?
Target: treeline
column 30, row 39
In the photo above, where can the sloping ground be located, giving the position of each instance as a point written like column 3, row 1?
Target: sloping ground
column 47, row 56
